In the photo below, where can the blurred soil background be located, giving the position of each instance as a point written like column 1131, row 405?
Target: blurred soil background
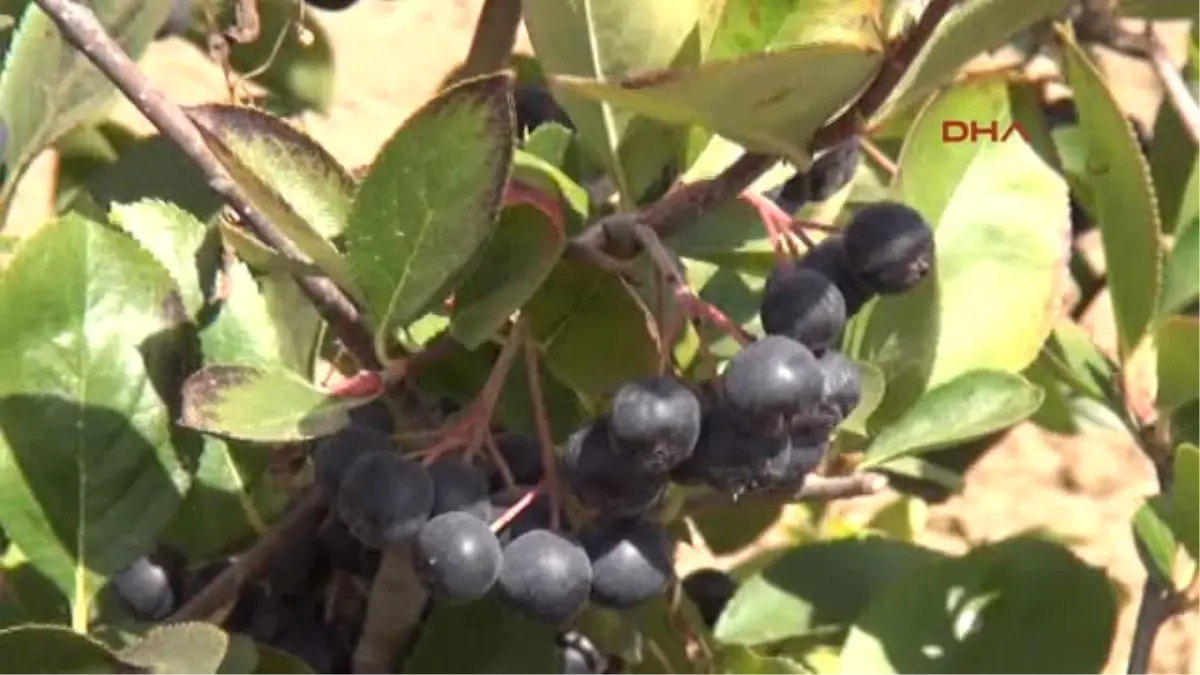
column 391, row 55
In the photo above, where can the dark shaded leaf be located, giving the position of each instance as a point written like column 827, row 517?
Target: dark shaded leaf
column 180, row 648
column 53, row 649
column 482, row 637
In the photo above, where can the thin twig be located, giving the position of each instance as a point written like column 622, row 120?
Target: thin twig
column 81, row 28
column 493, row 40
column 683, row 205
column 1157, row 595
column 542, row 423
column 302, row 518
column 814, row 488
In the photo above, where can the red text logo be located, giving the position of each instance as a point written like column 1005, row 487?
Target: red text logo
column 971, row 131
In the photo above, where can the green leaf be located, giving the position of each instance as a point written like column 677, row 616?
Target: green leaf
column 1152, row 527
column 297, row 323
column 666, row 631
column 240, row 657
column 731, row 529
column 317, row 188
column 520, row 255
column 53, row 649
column 91, row 471
column 746, row 661
column 242, row 332
column 265, row 198
column 152, row 167
column 581, row 311
column 747, row 29
column 85, row 150
column 1181, row 269
column 48, row 88
column 871, row 391
column 967, row 407
column 1178, row 362
column 430, row 201
column 275, row 661
column 1124, row 199
column 970, row 28
column 1001, row 232
column 262, row 404
column 1173, row 166
column 179, row 648
column 771, row 103
column 299, row 73
column 482, row 637
column 1077, row 362
column 603, row 39
column 174, row 237
column 1185, row 497
column 1156, row 9
column 815, row 587
column 1021, row 605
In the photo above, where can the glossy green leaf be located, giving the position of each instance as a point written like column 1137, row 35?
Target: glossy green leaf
column 263, row 195
column 1123, row 196
column 259, row 256
column 300, row 72
column 581, row 311
column 604, row 39
column 89, row 471
column 931, row 477
column 520, row 255
column 242, row 331
column 151, row 168
column 430, row 201
column 298, row 325
column 482, row 637
column 771, row 103
column 86, row 150
column 1156, row 9
column 241, row 656
column 747, row 29
column 32, row 648
column 1181, row 269
column 1176, row 340
column 871, row 391
column 262, row 404
column 179, row 648
column 1185, row 497
column 731, row 529
column 174, row 237
column 1077, row 362
column 968, row 29
column 742, row 660
column 967, row 407
column 550, row 177
column 815, row 587
column 275, row 661
column 317, row 188
column 1152, row 527
column 47, row 87
column 1174, row 165
column 1021, row 605
column 1001, row 233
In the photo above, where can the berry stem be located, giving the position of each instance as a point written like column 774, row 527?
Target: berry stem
column 877, row 156
column 542, row 422
column 776, row 221
column 515, row 510
column 501, row 464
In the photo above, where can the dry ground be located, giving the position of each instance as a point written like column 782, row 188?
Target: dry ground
column 391, row 55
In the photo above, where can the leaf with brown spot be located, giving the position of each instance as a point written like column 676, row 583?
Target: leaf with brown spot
column 264, row 404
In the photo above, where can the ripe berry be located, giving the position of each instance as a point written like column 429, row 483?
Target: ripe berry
column 145, row 589
column 731, row 456
column 829, row 258
column 523, row 455
column 655, row 421
column 459, row 487
column 457, row 556
column 535, row 106
column 631, row 562
column 775, row 378
column 577, row 655
column 829, row 173
column 375, row 415
column 345, row 552
column 801, row 303
column 843, row 385
column 334, row 455
column 710, row 590
column 889, row 246
column 385, row 498
column 535, row 515
column 605, row 479
column 331, row 5
column 546, row 576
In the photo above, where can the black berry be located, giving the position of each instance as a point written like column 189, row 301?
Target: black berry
column 655, row 421
column 843, row 386
column 535, row 515
column 733, row 457
column 334, row 455
column 385, row 498
column 375, row 415
column 889, row 246
column 546, row 576
column 802, row 303
column 709, row 590
column 603, row 478
column 772, row 379
column 829, row 173
column 457, row 556
column 332, row 5
column 523, row 455
column 631, row 562
column 145, row 589
column 345, row 552
column 535, row 106
column 829, row 258
column 458, row 486
column 577, row 655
